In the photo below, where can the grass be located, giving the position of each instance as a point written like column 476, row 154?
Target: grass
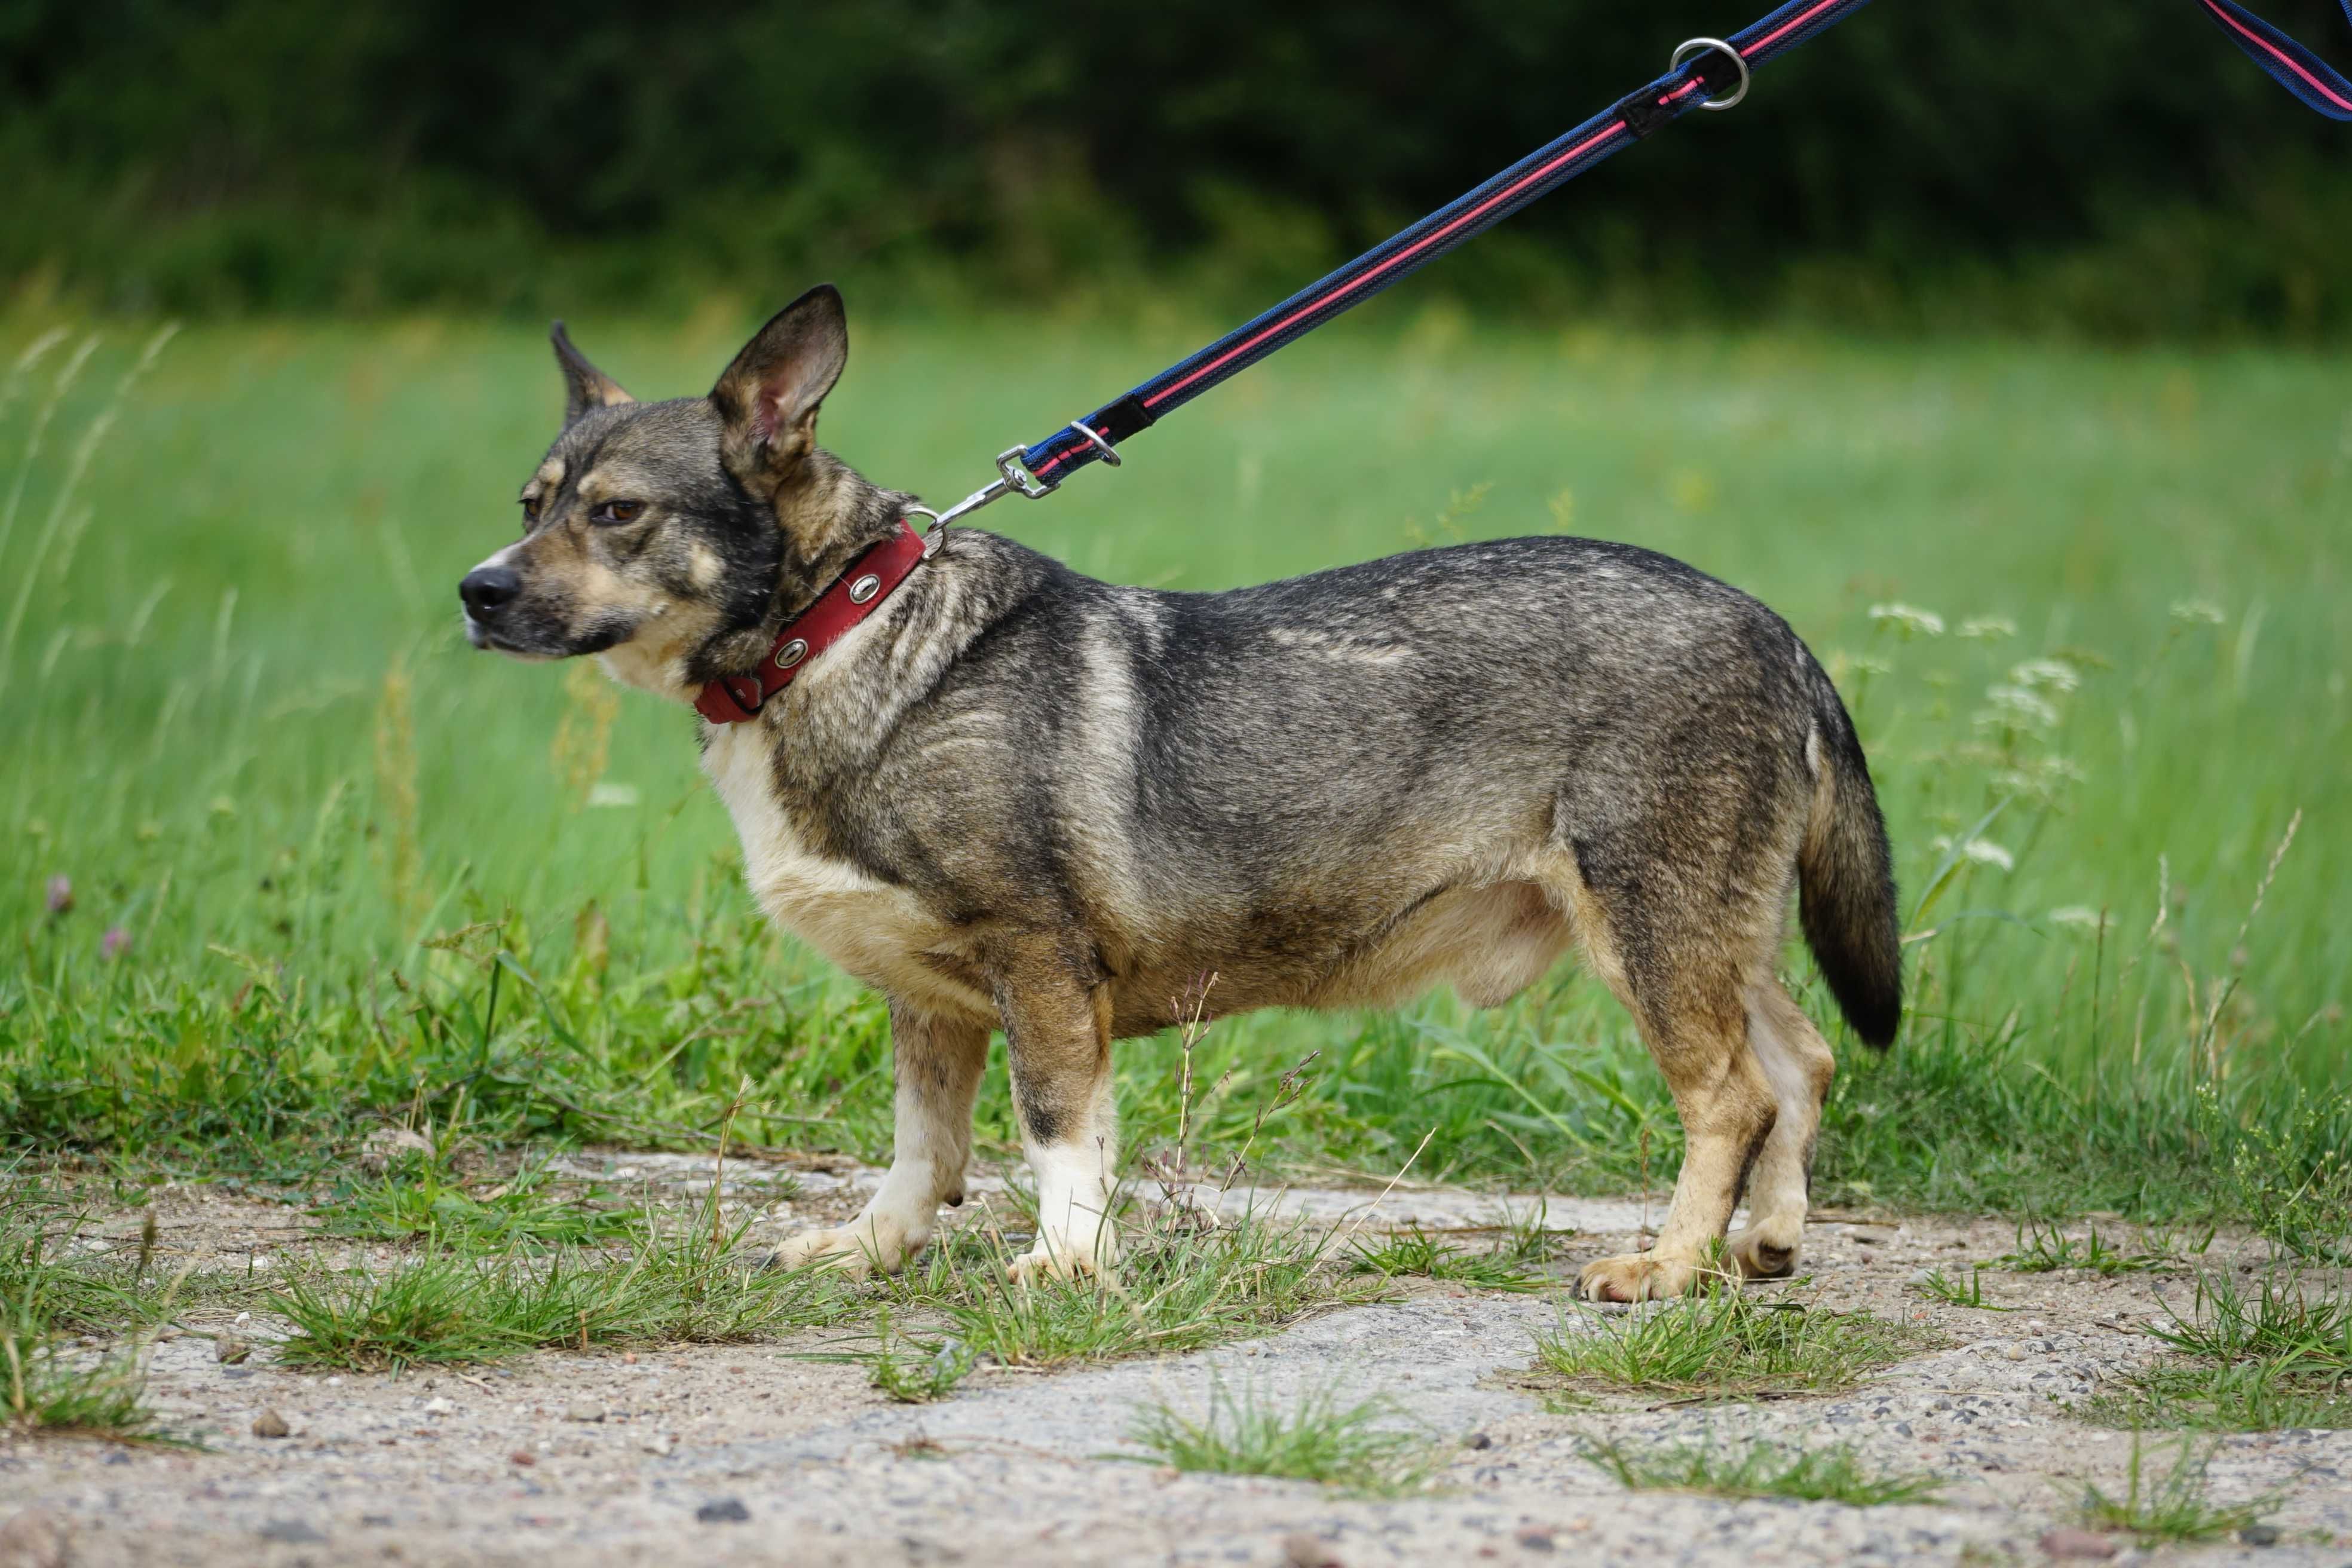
column 1837, row 1473
column 2255, row 1357
column 287, row 861
column 2048, row 1249
column 1356, row 1448
column 2205, row 1396
column 451, row 1309
column 422, row 1200
column 1722, row 1344
column 2176, row 1506
column 49, row 1392
column 2285, row 1318
column 1176, row 1289
column 1937, row 1287
column 914, row 1372
column 1416, row 1253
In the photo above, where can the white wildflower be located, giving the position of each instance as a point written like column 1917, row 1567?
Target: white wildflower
column 2048, row 674
column 1981, row 851
column 2015, row 708
column 1988, row 628
column 2081, row 916
column 1909, row 619
column 613, row 794
column 2195, row 612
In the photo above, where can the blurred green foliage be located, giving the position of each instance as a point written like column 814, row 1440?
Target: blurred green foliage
column 2112, row 168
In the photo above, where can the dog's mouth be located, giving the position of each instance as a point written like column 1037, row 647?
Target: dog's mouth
column 493, row 638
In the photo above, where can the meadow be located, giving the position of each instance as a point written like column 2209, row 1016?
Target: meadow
column 286, row 861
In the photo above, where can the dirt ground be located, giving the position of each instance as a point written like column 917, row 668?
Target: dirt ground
column 754, row 1455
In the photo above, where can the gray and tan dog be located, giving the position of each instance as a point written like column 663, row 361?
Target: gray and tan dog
column 1015, row 797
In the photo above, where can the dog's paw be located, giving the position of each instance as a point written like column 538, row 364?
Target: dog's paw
column 1764, row 1252
column 1054, row 1258
column 1636, row 1276
column 850, row 1251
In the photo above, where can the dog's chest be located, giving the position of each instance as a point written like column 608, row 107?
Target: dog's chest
column 875, row 931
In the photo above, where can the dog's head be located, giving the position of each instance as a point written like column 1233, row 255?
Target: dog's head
column 663, row 534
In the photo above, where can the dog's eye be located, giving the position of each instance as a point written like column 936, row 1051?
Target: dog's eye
column 618, row 512
column 529, row 512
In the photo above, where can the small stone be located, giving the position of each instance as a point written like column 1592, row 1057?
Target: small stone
column 34, row 1538
column 522, row 1457
column 269, row 1423
column 1536, row 1540
column 1477, row 1440
column 659, row 1444
column 291, row 1530
column 2013, row 1351
column 2066, row 1542
column 2260, row 1535
column 230, row 1351
column 437, row 1406
column 380, row 1148
column 723, row 1510
column 584, row 1413
column 1300, row 1550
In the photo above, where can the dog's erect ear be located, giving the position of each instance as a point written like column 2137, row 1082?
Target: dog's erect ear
column 769, row 397
column 584, row 386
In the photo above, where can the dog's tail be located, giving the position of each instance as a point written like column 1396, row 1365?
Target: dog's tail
column 1845, row 874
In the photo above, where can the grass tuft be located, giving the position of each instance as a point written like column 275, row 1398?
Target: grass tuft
column 1937, row 1287
column 423, row 1200
column 1833, row 1474
column 2048, row 1249
column 1416, row 1253
column 1722, row 1344
column 1176, row 1289
column 914, row 1373
column 449, row 1309
column 2277, row 1354
column 49, row 1393
column 2179, row 1507
column 1355, row 1449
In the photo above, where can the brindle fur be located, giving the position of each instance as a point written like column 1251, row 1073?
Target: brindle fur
column 1018, row 798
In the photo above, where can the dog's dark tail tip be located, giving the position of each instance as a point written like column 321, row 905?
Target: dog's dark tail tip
column 1846, row 874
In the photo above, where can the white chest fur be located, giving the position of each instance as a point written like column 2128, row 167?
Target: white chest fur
column 875, row 931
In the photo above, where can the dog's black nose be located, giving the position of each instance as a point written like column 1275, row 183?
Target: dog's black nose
column 488, row 588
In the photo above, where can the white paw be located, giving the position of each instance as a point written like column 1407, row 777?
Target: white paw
column 853, row 1251
column 1061, row 1257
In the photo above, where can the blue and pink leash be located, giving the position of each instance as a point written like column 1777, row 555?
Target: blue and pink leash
column 1706, row 73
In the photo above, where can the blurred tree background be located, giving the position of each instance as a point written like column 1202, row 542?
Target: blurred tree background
column 2108, row 168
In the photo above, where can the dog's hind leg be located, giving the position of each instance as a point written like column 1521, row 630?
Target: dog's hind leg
column 1674, row 966
column 938, row 1063
column 1797, row 1062
column 1057, row 1039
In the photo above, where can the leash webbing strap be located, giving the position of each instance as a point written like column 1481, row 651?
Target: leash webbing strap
column 2293, row 67
column 1708, row 76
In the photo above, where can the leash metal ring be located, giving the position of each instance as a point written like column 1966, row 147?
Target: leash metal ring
column 1109, row 453
column 1695, row 46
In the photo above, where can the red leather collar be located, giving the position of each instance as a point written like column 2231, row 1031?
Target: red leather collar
column 854, row 594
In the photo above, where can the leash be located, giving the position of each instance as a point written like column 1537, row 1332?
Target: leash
column 1705, row 73
column 2312, row 82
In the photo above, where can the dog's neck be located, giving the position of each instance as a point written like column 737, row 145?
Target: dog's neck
column 824, row 518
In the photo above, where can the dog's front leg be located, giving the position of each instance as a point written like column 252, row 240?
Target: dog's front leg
column 938, row 1062
column 1057, row 1039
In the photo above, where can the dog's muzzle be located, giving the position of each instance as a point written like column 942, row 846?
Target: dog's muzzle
column 487, row 591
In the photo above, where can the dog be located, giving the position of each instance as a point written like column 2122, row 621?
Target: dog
column 1013, row 797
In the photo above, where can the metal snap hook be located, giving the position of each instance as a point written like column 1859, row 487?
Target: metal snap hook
column 1695, row 46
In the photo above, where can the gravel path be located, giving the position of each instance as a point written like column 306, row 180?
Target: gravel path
column 753, row 1455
